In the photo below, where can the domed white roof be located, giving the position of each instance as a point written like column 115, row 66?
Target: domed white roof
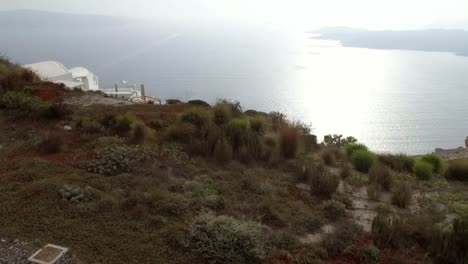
column 79, row 72
column 48, row 69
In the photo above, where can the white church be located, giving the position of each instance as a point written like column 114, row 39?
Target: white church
column 56, row 72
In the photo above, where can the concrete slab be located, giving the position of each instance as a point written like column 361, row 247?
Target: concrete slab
column 48, row 255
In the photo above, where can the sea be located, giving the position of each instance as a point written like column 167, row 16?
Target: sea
column 394, row 101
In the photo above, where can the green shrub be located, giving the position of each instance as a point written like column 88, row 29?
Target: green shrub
column 289, row 137
column 351, row 148
column 435, row 161
column 277, row 120
column 51, row 143
column 24, row 105
column 381, row 175
column 370, row 255
column 236, row 131
column 304, row 223
column 401, row 194
column 173, row 101
column 457, row 170
column 224, row 239
column 322, row 182
column 88, row 125
column 398, row 162
column 223, row 151
column 362, row 159
column 333, row 210
column 258, row 125
column 221, row 114
column 181, row 132
column 343, row 240
column 123, row 122
column 198, row 117
column 423, row 170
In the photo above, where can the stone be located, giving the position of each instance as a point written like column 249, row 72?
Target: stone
column 67, row 128
column 66, row 195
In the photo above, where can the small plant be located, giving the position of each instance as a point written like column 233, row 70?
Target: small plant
column 451, row 246
column 277, row 120
column 140, row 133
column 351, row 148
column 370, row 255
column 223, row 151
column 322, row 182
column 75, row 194
column 25, row 105
column 423, row 170
column 402, row 194
column 381, row 175
column 112, row 160
column 224, row 239
column 346, row 171
column 388, row 230
column 435, row 161
column 328, row 157
column 51, row 143
column 457, row 170
column 334, row 210
column 343, row 239
column 363, row 160
column 373, row 191
column 289, row 137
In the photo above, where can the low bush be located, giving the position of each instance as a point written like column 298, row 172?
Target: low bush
column 236, row 131
column 51, row 143
column 88, row 125
column 173, row 101
column 112, row 160
column 289, row 138
column 24, row 105
column 373, row 191
column 258, row 125
column 381, row 175
column 398, row 162
column 123, row 122
column 307, row 223
column 199, row 103
column 224, row 239
column 435, row 161
column 223, row 151
column 362, row 160
column 277, row 120
column 181, row 132
column 351, row 148
column 334, row 210
column 423, row 170
column 322, row 181
column 140, row 133
column 198, row 117
column 221, row 114
column 457, row 170
column 402, row 193
column 343, row 240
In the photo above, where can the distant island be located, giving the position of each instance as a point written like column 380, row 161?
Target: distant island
column 439, row 40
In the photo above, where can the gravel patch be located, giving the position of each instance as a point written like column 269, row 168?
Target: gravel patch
column 18, row 252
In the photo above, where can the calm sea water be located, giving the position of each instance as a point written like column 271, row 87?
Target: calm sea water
column 394, row 101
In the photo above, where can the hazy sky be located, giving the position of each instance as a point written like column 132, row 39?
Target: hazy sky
column 374, row 14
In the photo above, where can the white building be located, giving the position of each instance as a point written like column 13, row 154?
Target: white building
column 56, row 72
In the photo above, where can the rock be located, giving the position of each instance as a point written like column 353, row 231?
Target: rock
column 67, row 128
column 76, row 192
column 66, row 195
column 74, row 199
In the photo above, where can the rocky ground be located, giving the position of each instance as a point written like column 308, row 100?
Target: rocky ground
column 18, row 252
column 95, row 98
